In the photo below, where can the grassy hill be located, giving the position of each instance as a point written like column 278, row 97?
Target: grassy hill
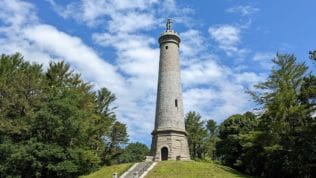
column 107, row 171
column 175, row 169
column 192, row 169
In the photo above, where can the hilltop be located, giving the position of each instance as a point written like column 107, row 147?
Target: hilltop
column 175, row 169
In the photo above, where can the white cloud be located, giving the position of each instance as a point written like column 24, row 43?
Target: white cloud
column 15, row 13
column 169, row 5
column 42, row 43
column 216, row 91
column 139, row 63
column 203, row 72
column 196, row 99
column 220, row 99
column 213, row 89
column 228, row 38
column 48, row 39
column 264, row 59
column 131, row 22
column 243, row 10
column 192, row 43
column 226, row 34
column 92, row 12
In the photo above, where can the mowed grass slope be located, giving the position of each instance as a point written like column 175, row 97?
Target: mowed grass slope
column 192, row 169
column 174, row 169
column 107, row 171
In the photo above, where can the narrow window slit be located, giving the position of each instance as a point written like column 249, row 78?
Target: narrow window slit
column 166, row 47
column 176, row 103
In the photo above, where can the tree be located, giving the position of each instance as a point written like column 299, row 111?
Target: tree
column 229, row 148
column 20, row 95
column 312, row 55
column 134, row 152
column 287, row 121
column 104, row 99
column 211, row 127
column 197, row 134
column 117, row 139
column 212, row 138
column 52, row 124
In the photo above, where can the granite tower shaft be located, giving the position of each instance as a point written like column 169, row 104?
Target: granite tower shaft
column 169, row 138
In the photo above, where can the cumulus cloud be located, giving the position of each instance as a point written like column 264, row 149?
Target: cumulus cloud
column 243, row 10
column 217, row 91
column 131, row 22
column 43, row 43
column 211, row 88
column 228, row 38
column 93, row 12
column 17, row 13
column 264, row 59
column 192, row 44
column 204, row 72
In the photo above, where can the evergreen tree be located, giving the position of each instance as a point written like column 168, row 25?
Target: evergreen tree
column 287, row 122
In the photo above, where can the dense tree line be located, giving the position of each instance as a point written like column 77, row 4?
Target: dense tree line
column 53, row 124
column 280, row 140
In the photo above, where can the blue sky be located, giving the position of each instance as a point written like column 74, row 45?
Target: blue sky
column 226, row 48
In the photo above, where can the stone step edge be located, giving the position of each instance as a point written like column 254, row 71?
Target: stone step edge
column 147, row 171
column 129, row 170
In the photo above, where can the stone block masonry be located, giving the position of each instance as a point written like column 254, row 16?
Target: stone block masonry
column 169, row 138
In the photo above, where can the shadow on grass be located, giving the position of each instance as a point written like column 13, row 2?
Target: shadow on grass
column 233, row 171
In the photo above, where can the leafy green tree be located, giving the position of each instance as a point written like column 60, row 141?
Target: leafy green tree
column 20, row 95
column 52, row 124
column 229, row 148
column 134, row 152
column 197, row 134
column 211, row 127
column 212, row 138
column 118, row 138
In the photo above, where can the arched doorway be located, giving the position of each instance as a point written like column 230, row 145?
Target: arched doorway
column 164, row 153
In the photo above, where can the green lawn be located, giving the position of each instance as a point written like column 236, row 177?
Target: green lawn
column 192, row 169
column 174, row 169
column 107, row 171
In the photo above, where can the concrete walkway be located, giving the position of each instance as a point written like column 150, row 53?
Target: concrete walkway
column 138, row 169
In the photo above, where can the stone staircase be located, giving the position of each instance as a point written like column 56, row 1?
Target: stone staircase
column 138, row 170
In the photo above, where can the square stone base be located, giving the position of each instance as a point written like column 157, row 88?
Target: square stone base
column 175, row 142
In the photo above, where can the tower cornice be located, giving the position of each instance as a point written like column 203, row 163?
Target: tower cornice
column 169, row 37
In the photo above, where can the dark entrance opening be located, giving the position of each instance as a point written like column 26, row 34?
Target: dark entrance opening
column 164, row 154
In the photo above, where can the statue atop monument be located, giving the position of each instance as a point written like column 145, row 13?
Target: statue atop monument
column 169, row 25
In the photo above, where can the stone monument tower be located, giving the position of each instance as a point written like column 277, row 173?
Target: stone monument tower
column 169, row 138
